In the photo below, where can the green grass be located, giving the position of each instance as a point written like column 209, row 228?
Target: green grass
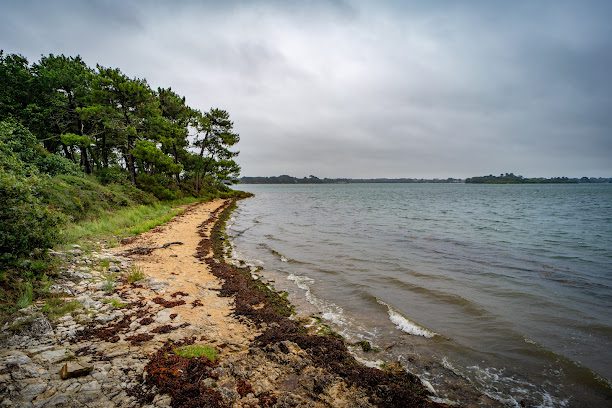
column 110, row 280
column 26, row 295
column 197, row 350
column 58, row 307
column 125, row 222
column 115, row 303
column 82, row 197
column 136, row 274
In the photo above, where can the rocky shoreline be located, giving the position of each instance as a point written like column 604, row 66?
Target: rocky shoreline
column 111, row 336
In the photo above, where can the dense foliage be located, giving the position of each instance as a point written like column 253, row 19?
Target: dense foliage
column 77, row 142
column 107, row 123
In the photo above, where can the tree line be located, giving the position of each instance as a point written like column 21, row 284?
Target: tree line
column 511, row 178
column 286, row 179
column 117, row 127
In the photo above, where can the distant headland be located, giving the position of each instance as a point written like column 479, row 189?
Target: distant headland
column 285, row 179
column 511, row 178
column 507, row 178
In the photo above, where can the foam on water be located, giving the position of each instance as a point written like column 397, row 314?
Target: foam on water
column 329, row 311
column 404, row 324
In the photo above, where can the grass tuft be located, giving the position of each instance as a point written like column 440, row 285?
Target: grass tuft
column 197, row 350
column 25, row 296
column 136, row 274
column 115, row 303
column 58, row 307
column 109, row 283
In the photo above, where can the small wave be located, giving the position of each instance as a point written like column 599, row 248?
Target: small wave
column 329, row 311
column 404, row 324
column 280, row 256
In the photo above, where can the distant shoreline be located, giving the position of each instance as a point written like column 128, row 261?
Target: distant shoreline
column 501, row 179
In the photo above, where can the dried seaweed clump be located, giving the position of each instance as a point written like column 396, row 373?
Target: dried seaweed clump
column 182, row 378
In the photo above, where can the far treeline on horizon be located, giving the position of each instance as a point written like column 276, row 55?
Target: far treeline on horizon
column 507, row 178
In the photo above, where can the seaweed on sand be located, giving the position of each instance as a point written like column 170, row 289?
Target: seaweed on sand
column 181, row 377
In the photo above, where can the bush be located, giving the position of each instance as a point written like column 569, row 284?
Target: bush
column 112, row 175
column 26, row 224
column 83, row 197
column 24, row 146
column 53, row 164
column 160, row 186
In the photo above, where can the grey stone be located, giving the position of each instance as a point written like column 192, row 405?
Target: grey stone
column 91, row 387
column 163, row 316
column 16, row 358
column 162, row 400
column 60, row 290
column 105, row 318
column 59, row 399
column 55, row 356
column 100, row 376
column 30, row 391
column 74, row 387
column 155, row 285
column 88, row 302
column 35, row 325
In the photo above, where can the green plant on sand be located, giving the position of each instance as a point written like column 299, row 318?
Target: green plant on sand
column 115, row 303
column 197, row 350
column 136, row 274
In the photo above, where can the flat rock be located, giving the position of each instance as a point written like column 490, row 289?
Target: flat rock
column 16, row 358
column 73, row 369
column 55, row 356
column 30, row 391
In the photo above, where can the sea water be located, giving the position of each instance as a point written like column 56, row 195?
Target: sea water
column 506, row 286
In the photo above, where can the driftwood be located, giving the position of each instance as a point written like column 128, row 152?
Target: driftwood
column 148, row 250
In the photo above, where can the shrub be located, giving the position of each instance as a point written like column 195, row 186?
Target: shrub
column 160, row 186
column 26, row 224
column 24, row 145
column 112, row 174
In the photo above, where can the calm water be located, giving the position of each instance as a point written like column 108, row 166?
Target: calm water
column 508, row 286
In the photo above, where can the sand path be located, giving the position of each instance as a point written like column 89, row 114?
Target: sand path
column 184, row 277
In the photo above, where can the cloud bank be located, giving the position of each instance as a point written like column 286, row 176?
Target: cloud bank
column 363, row 89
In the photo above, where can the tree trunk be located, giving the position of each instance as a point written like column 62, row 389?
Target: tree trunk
column 104, row 152
column 131, row 168
column 85, row 160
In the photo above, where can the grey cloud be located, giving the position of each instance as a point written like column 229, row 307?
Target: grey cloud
column 364, row 89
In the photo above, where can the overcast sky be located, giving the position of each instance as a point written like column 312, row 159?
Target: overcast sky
column 363, row 89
